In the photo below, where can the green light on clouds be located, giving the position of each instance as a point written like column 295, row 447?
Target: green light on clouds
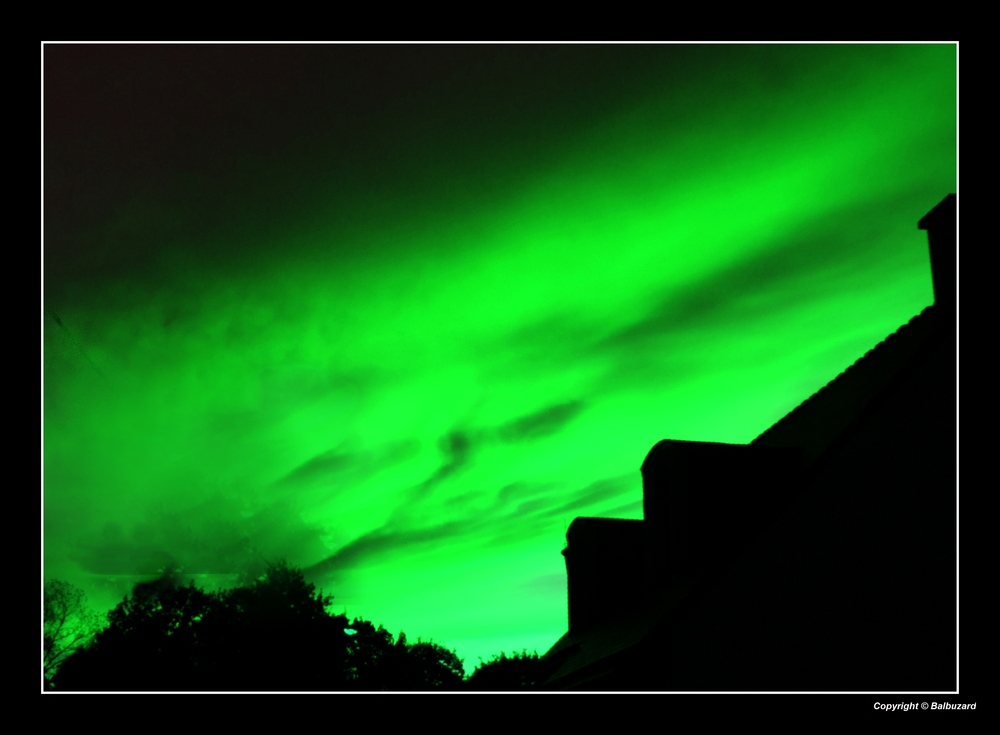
column 413, row 407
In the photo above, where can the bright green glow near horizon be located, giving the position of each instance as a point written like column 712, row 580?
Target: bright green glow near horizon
column 436, row 406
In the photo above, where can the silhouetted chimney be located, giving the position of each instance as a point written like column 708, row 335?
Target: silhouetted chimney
column 704, row 502
column 603, row 569
column 941, row 224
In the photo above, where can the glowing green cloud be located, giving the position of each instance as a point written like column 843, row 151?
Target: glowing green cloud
column 409, row 380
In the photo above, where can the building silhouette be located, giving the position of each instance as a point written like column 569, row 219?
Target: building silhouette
column 821, row 556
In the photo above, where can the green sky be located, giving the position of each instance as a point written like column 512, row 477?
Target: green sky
column 398, row 314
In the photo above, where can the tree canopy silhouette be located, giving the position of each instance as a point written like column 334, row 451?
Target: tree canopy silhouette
column 503, row 673
column 377, row 662
column 275, row 633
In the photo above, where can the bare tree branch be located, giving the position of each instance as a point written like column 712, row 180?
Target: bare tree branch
column 69, row 625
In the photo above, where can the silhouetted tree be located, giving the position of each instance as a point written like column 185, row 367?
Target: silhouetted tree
column 279, row 629
column 69, row 625
column 152, row 642
column 372, row 657
column 502, row 673
column 275, row 633
column 431, row 666
column 378, row 662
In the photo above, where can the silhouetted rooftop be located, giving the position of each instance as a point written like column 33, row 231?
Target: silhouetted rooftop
column 854, row 494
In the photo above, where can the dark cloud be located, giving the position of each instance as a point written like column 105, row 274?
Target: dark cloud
column 520, row 510
column 459, row 445
column 597, row 492
column 384, row 541
column 831, row 255
column 818, row 257
column 626, row 510
column 547, row 342
column 523, row 491
column 457, row 448
column 338, row 465
column 519, row 502
column 118, row 558
column 526, row 509
column 540, row 423
column 222, row 535
column 326, row 464
column 595, row 498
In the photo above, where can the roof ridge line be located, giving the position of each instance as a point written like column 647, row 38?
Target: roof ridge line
column 902, row 329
